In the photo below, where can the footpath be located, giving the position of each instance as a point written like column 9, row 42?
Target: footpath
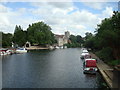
column 105, row 70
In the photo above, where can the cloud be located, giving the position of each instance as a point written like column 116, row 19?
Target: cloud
column 10, row 18
column 4, row 19
column 3, row 8
column 55, row 14
column 53, row 7
column 95, row 5
column 61, row 5
column 60, row 20
column 85, row 18
column 107, row 12
column 59, row 0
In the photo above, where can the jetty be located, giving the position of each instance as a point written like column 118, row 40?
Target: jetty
column 36, row 48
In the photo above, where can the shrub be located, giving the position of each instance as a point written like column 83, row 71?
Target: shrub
column 114, row 62
column 105, row 54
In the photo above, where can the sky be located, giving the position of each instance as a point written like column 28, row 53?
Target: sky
column 75, row 17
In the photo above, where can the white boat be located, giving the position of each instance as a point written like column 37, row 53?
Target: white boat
column 9, row 52
column 57, row 47
column 51, row 47
column 84, row 53
column 3, row 51
column 21, row 50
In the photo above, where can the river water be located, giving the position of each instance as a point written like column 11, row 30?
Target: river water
column 60, row 68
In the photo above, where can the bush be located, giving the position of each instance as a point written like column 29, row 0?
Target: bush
column 114, row 62
column 105, row 54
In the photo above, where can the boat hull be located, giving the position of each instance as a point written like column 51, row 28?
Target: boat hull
column 90, row 70
column 20, row 51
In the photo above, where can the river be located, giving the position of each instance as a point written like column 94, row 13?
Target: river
column 60, row 68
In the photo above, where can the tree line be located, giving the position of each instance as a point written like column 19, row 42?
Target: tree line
column 38, row 33
column 106, row 42
column 75, row 41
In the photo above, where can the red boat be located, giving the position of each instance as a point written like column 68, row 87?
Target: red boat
column 90, row 66
column 5, row 51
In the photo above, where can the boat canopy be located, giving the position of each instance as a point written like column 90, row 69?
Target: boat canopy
column 90, row 63
column 85, row 51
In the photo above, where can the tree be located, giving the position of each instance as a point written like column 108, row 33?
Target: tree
column 7, row 40
column 73, row 39
column 19, row 36
column 76, row 41
column 108, row 34
column 89, row 40
column 40, row 33
column 88, row 35
column 89, row 43
column 79, row 39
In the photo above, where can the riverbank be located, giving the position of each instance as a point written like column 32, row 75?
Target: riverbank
column 105, row 70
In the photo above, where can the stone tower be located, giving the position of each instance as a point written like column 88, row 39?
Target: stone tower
column 67, row 34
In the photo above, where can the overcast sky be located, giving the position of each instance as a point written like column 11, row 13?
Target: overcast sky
column 76, row 17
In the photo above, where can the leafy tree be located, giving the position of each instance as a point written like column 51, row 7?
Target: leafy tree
column 76, row 41
column 89, row 40
column 89, row 43
column 7, row 40
column 106, row 41
column 19, row 36
column 73, row 38
column 79, row 39
column 88, row 35
column 108, row 33
column 40, row 33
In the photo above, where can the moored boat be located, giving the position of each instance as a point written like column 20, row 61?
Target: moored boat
column 21, row 50
column 3, row 51
column 89, row 66
column 57, row 47
column 84, row 53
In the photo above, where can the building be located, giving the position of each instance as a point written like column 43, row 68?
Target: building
column 62, row 39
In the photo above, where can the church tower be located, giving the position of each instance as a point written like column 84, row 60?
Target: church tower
column 67, row 34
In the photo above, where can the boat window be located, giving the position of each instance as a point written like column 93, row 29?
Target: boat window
column 21, row 49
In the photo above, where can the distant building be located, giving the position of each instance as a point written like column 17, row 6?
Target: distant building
column 62, row 39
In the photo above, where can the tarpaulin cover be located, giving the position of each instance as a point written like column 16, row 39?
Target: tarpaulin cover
column 90, row 63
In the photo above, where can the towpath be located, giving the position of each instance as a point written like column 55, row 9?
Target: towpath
column 105, row 70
